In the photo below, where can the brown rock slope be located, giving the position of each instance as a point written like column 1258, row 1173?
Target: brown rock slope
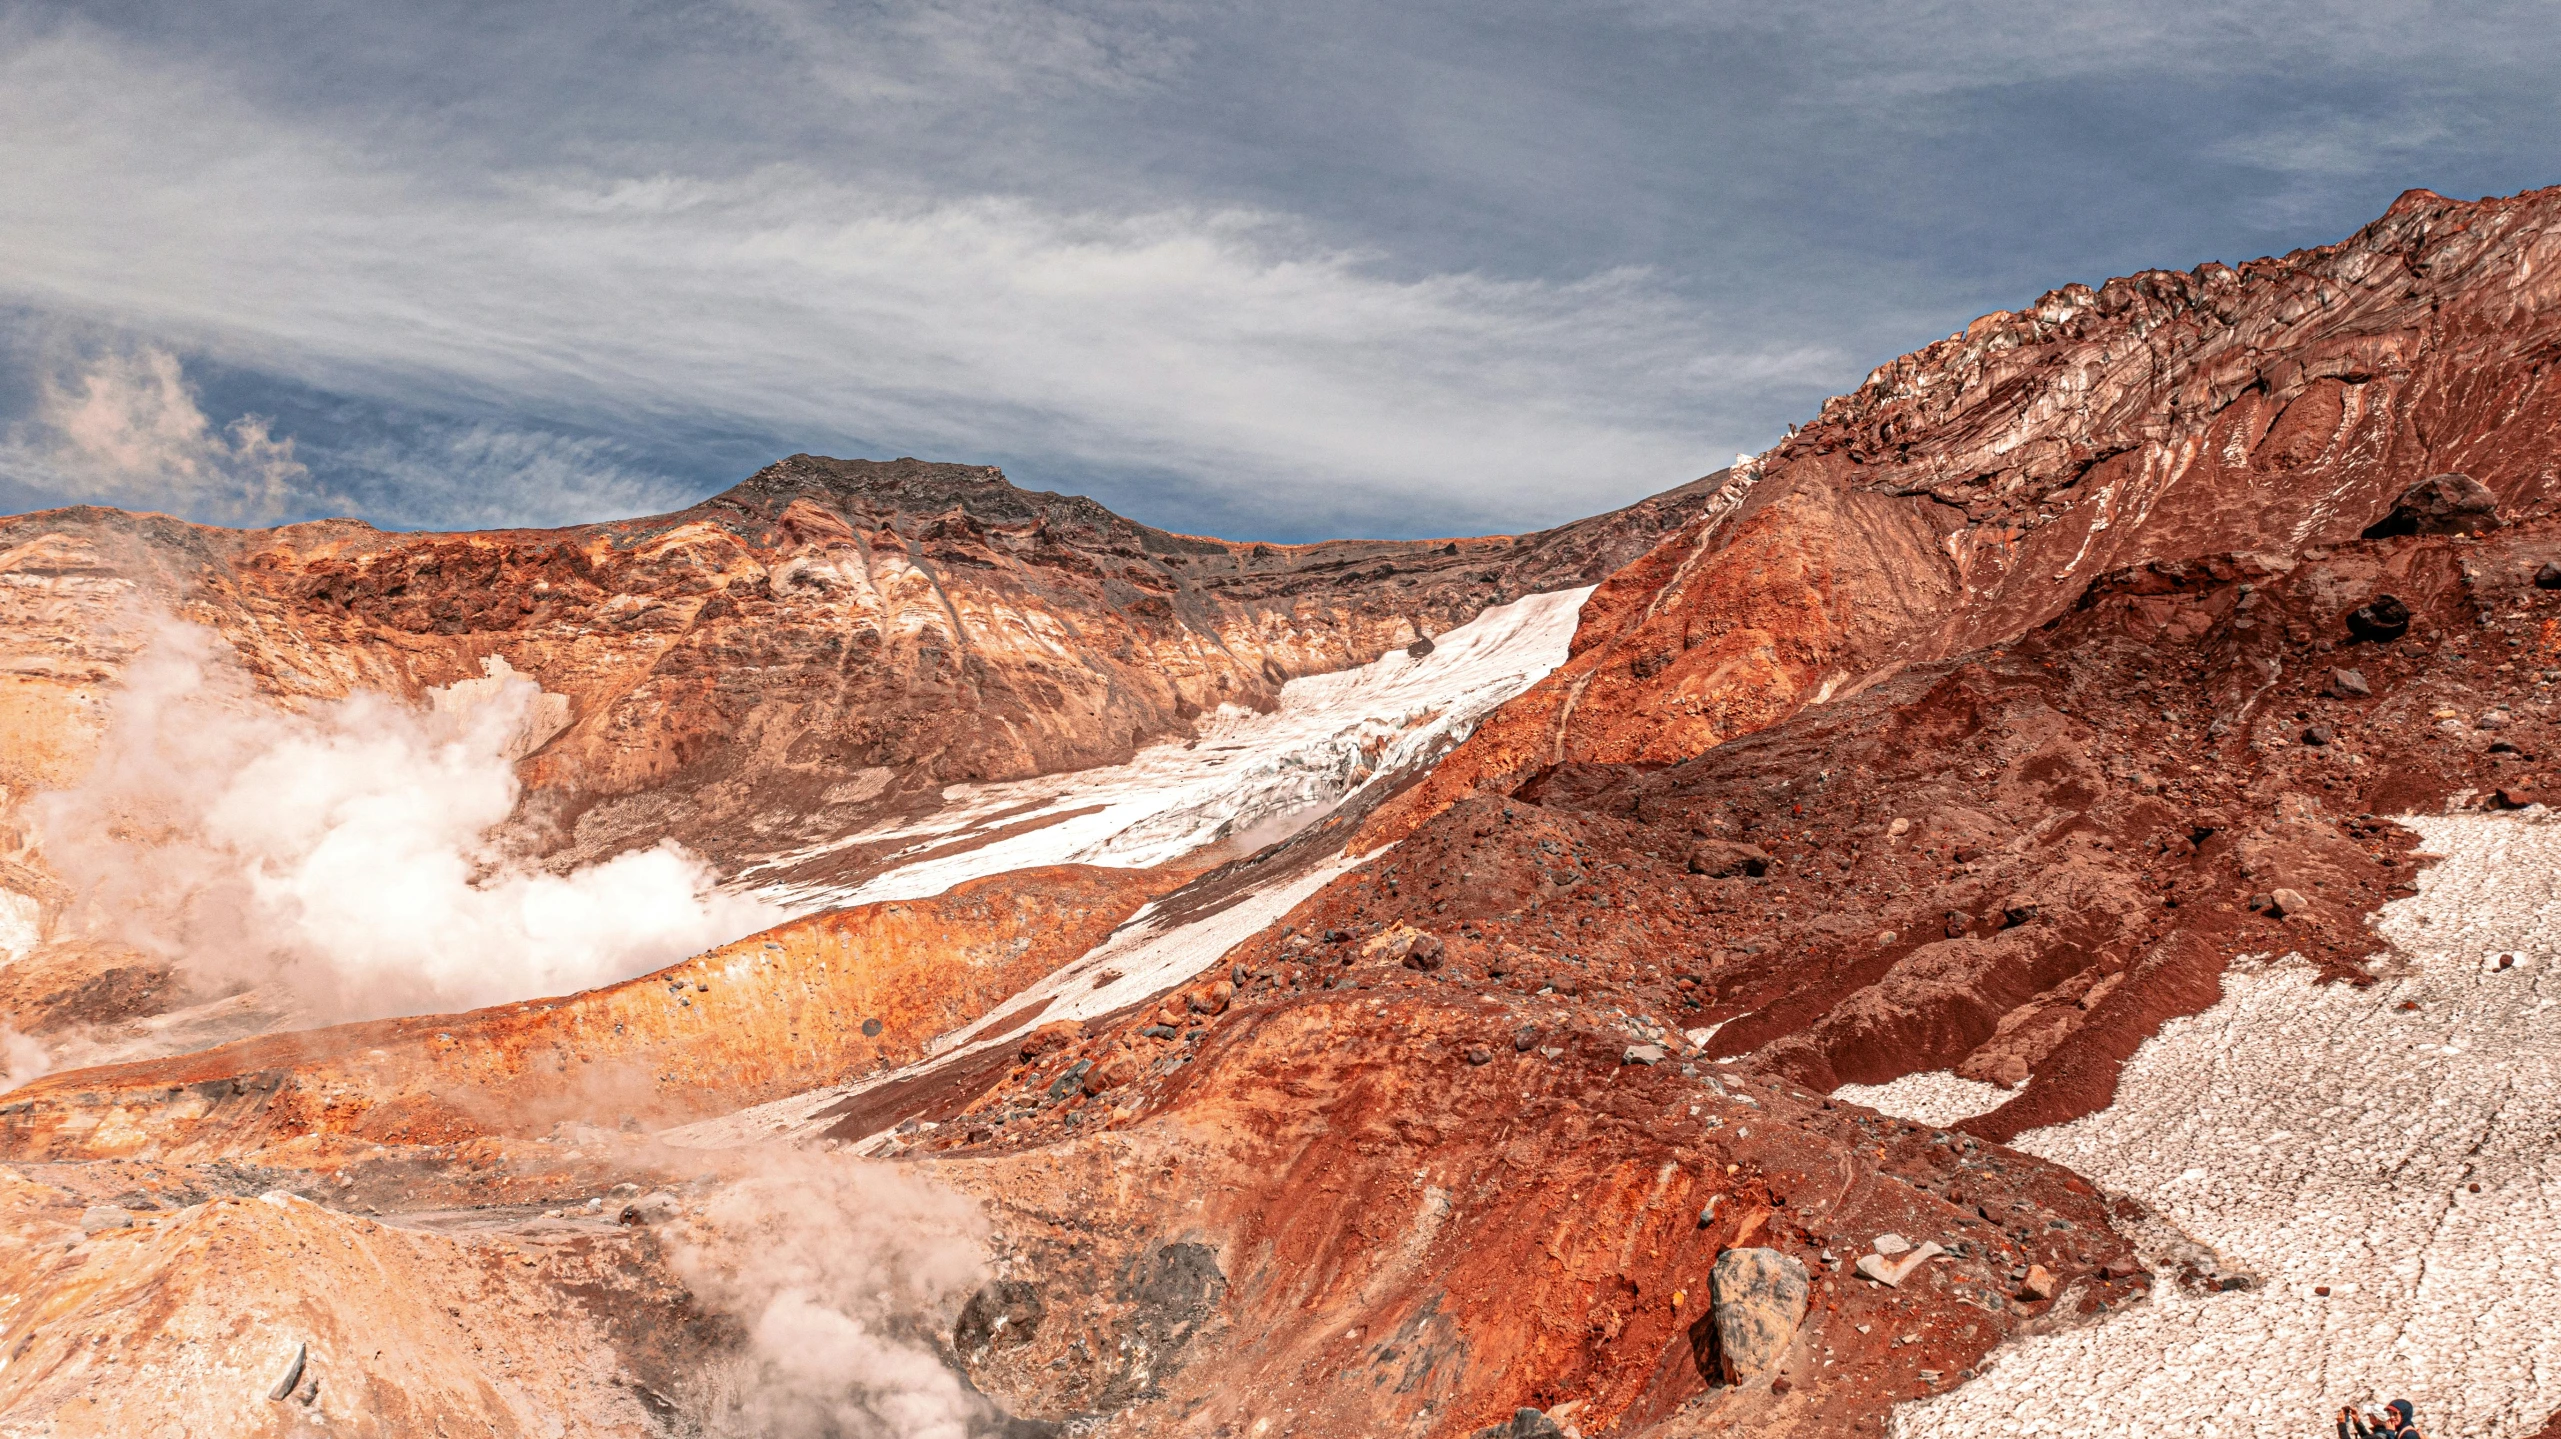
column 1971, row 490
column 1412, row 1109
column 829, row 641
column 1411, row 1204
column 2016, row 863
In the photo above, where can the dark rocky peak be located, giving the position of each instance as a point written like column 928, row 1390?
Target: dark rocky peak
column 933, row 502
column 883, row 487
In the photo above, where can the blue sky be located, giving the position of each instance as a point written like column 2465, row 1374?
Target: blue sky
column 1264, row 271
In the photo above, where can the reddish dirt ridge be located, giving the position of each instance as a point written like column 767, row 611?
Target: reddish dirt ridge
column 1978, row 727
column 1973, row 490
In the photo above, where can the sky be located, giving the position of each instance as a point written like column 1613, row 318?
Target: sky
column 1263, row 271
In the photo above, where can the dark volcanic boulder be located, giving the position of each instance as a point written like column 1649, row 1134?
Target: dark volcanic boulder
column 2440, row 505
column 2382, row 618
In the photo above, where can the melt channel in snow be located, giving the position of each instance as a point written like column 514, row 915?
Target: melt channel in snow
column 2326, row 1136
column 1244, row 773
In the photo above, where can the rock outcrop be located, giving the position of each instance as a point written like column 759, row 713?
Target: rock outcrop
column 1757, row 1297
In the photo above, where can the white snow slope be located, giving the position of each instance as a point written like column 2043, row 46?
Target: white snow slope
column 1246, row 774
column 2326, row 1136
column 1935, row 1097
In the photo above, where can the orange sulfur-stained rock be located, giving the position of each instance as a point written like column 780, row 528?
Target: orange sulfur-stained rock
column 808, row 1003
column 1049, row 1038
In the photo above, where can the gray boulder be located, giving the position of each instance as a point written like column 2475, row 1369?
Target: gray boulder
column 1757, row 1297
column 99, row 1218
column 1525, row 1423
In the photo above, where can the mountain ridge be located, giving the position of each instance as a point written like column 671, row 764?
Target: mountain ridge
column 2040, row 759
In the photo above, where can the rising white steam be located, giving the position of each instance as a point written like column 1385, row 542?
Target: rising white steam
column 841, row 1272
column 346, row 852
column 21, row 1059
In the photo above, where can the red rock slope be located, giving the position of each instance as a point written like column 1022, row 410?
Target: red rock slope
column 1972, row 490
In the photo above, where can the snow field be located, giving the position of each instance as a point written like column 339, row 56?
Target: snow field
column 1245, row 774
column 1937, row 1097
column 2329, row 1136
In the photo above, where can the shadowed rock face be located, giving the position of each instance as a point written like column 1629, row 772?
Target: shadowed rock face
column 828, row 642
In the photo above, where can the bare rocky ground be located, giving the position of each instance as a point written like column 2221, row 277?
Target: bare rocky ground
column 2030, row 743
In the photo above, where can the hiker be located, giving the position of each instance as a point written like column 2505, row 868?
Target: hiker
column 2393, row 1423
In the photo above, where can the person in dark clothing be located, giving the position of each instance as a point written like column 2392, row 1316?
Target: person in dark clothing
column 2397, row 1421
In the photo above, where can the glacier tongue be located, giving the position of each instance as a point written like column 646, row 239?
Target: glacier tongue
column 1244, row 776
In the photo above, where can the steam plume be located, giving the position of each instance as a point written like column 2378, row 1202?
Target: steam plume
column 346, row 852
column 836, row 1267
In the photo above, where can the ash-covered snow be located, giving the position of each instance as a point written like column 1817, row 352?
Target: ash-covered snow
column 2323, row 1135
column 1245, row 776
column 1937, row 1097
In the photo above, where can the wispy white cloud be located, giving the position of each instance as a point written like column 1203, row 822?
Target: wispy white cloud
column 1299, row 268
column 1226, row 345
column 480, row 475
column 125, row 428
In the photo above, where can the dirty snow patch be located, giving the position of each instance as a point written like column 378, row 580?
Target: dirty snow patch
column 2322, row 1135
column 1937, row 1098
column 1149, row 956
